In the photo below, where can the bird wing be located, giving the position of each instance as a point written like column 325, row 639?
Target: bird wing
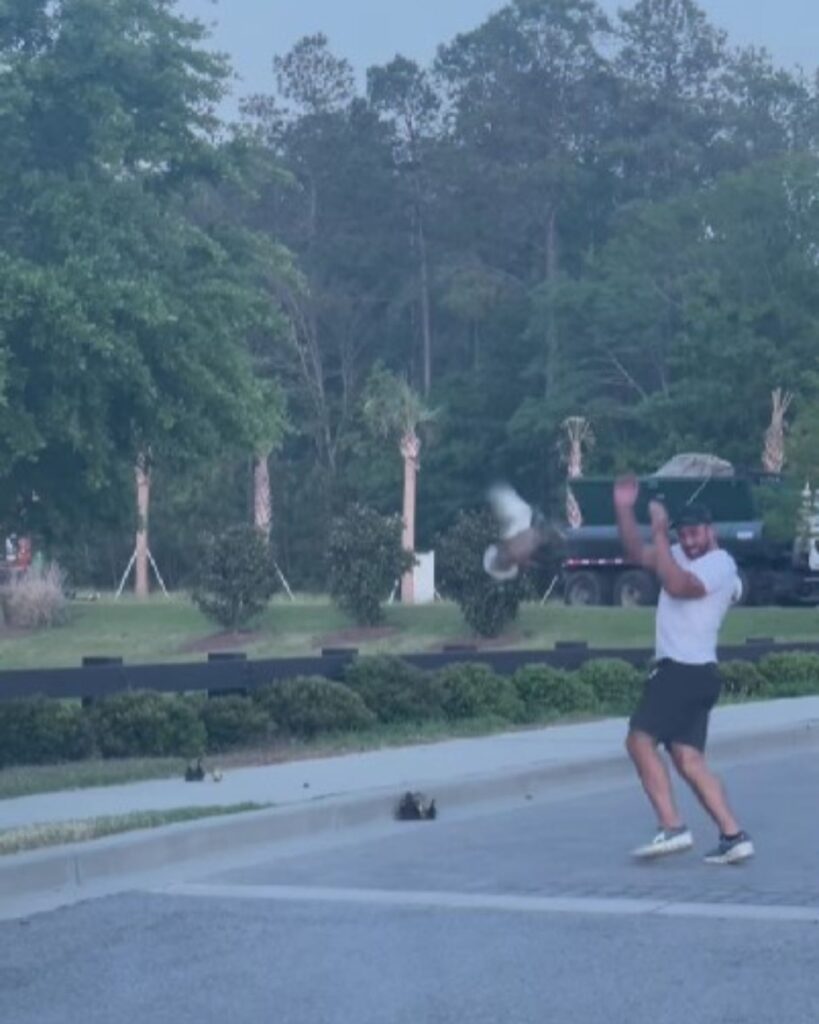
column 512, row 513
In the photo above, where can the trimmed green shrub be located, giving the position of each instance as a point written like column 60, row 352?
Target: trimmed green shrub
column 366, row 560
column 790, row 674
column 234, row 721
column 473, row 690
column 308, row 705
column 147, row 724
column 395, row 690
column 616, row 683
column 487, row 605
column 237, row 576
column 545, row 689
column 41, row 730
column 741, row 678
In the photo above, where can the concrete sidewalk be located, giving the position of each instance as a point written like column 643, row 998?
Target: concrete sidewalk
column 318, row 800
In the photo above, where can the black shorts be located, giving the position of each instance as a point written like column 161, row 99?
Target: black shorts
column 676, row 702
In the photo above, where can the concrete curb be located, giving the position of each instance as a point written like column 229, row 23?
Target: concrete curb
column 68, row 873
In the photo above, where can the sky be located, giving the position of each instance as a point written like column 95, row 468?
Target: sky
column 369, row 32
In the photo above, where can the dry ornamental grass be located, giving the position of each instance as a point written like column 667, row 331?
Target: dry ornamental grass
column 32, row 837
column 36, row 599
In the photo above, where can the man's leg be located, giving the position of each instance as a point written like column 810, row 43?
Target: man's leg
column 654, row 776
column 690, row 763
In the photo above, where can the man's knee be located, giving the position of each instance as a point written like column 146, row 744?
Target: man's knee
column 638, row 743
column 688, row 761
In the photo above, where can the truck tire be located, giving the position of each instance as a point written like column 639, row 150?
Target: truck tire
column 635, row 588
column 583, row 588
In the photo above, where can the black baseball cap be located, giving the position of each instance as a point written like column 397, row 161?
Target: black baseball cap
column 695, row 514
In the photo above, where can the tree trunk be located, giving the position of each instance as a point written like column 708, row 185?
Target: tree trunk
column 410, row 450
column 426, row 318
column 262, row 507
column 143, row 490
column 551, row 327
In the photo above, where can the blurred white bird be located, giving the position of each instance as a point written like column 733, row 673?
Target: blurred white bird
column 513, row 514
column 522, row 531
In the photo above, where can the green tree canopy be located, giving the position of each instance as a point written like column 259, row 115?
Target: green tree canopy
column 123, row 318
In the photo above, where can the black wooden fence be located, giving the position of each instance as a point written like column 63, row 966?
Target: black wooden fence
column 235, row 673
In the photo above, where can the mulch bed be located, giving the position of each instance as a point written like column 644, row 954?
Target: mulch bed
column 480, row 643
column 353, row 636
column 14, row 632
column 226, row 641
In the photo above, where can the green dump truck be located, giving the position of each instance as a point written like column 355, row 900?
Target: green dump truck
column 775, row 567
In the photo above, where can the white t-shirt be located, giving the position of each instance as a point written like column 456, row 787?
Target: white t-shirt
column 687, row 628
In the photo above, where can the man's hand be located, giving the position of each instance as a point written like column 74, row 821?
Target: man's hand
column 626, row 489
column 659, row 517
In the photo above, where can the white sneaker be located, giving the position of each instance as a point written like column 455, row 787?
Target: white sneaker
column 667, row 840
column 731, row 851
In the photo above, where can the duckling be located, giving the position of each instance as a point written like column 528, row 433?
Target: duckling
column 415, row 807
column 195, row 773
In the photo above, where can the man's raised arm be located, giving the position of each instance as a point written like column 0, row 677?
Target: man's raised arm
column 626, row 489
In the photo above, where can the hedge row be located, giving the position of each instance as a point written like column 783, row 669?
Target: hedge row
column 380, row 689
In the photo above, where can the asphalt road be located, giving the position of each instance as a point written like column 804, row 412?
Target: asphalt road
column 526, row 914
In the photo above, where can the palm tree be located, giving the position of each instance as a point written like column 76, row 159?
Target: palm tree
column 394, row 410
column 262, row 504
column 142, row 471
column 773, row 453
column 269, row 431
column 578, row 433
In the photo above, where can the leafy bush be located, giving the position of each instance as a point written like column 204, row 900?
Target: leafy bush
column 35, row 599
column 395, row 690
column 40, row 730
column 486, row 605
column 790, row 674
column 543, row 689
column 780, row 505
column 615, row 682
column 741, row 678
column 473, row 690
column 366, row 559
column 147, row 724
column 233, row 722
column 308, row 705
column 237, row 576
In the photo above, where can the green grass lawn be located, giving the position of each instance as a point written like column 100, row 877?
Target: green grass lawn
column 169, row 630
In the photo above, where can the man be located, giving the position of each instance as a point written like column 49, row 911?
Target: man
column 698, row 583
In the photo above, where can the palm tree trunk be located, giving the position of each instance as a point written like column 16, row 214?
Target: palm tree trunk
column 262, row 506
column 426, row 319
column 143, row 491
column 551, row 325
column 410, row 450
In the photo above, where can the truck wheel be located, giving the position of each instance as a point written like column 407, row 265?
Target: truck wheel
column 583, row 588
column 635, row 588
